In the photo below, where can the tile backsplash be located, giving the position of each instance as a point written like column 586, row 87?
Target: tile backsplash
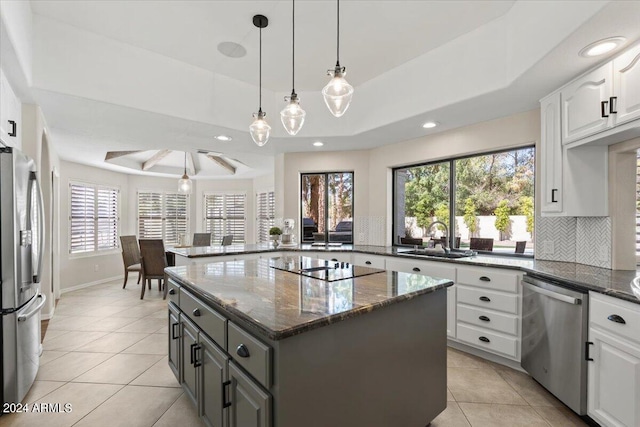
column 585, row 240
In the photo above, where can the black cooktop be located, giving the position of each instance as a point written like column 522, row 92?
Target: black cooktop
column 329, row 271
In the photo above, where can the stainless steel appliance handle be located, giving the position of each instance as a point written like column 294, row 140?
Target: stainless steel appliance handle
column 38, row 267
column 554, row 295
column 37, row 308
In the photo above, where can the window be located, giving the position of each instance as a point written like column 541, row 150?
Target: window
column 93, row 219
column 327, row 207
column 266, row 211
column 224, row 214
column 163, row 216
column 486, row 201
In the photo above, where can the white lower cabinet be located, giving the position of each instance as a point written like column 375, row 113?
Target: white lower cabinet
column 614, row 371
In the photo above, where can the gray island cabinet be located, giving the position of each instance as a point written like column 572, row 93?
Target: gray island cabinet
column 295, row 341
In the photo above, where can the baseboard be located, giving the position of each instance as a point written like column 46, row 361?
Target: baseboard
column 89, row 284
column 485, row 355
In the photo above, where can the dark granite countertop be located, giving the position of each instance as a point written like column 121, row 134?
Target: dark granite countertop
column 615, row 283
column 278, row 304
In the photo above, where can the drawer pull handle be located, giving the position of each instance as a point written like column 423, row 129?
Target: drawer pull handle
column 484, row 318
column 225, row 402
column 174, row 334
column 586, row 351
column 193, row 351
column 486, row 299
column 485, row 279
column 368, row 262
column 484, row 339
column 553, row 195
column 334, row 259
column 14, row 128
column 603, row 107
column 196, row 362
column 243, row 351
column 196, row 312
column 617, row 319
column 172, row 292
column 613, row 105
column 416, row 269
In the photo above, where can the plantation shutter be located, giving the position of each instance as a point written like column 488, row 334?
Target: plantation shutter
column 82, row 218
column 176, row 220
column 107, row 218
column 265, row 206
column 225, row 214
column 149, row 215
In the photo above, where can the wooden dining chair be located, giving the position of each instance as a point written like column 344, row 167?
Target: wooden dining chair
column 201, row 239
column 153, row 260
column 481, row 244
column 521, row 246
column 227, row 240
column 130, row 257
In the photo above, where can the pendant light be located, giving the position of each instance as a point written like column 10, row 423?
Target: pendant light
column 184, row 183
column 260, row 129
column 292, row 116
column 338, row 92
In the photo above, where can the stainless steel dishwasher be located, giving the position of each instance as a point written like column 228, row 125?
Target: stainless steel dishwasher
column 554, row 339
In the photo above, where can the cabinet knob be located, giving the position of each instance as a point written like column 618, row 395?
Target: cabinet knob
column 196, row 312
column 368, row 262
column 617, row 319
column 243, row 351
column 484, row 339
column 416, row 269
column 486, row 299
column 484, row 318
column 172, row 292
column 485, row 279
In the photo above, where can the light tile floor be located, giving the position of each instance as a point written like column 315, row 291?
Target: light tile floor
column 105, row 353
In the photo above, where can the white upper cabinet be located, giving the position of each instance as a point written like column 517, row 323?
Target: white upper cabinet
column 550, row 154
column 10, row 114
column 626, row 82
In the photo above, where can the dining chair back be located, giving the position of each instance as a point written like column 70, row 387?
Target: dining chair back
column 227, row 240
column 481, row 244
column 201, row 239
column 130, row 257
column 521, row 246
column 154, row 261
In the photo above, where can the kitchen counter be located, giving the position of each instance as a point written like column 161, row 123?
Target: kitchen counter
column 615, row 283
column 278, row 304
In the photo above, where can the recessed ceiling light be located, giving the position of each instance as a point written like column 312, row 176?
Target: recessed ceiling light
column 318, row 144
column 602, row 46
column 232, row 50
column 223, row 138
column 429, row 125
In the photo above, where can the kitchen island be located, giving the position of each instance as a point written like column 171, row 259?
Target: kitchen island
column 295, row 341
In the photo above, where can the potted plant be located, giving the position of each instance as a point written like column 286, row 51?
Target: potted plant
column 275, row 233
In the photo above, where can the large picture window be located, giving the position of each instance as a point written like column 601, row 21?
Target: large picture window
column 94, row 218
column 266, row 211
column 327, row 207
column 163, row 215
column 225, row 214
column 484, row 202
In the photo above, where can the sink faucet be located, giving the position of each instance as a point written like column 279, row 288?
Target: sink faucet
column 446, row 232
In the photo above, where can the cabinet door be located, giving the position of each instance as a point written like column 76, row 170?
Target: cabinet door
column 10, row 110
column 174, row 340
column 550, row 155
column 212, row 376
column 188, row 344
column 250, row 405
column 582, row 106
column 626, row 84
column 614, row 381
column 451, row 311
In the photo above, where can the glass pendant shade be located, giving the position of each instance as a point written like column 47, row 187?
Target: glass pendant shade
column 292, row 116
column 337, row 93
column 184, row 185
column 260, row 129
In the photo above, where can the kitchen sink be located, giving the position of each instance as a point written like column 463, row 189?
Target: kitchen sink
column 450, row 255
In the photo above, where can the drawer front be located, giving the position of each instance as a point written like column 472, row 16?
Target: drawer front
column 609, row 313
column 487, row 340
column 422, row 267
column 250, row 353
column 488, row 299
column 368, row 260
column 211, row 323
column 489, row 278
column 333, row 256
column 507, row 323
column 173, row 292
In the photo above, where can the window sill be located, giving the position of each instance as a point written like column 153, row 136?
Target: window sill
column 95, row 254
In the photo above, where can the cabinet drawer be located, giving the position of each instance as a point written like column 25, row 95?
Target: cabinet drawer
column 251, row 354
column 488, row 299
column 211, row 323
column 368, row 260
column 603, row 313
column 173, row 292
column 333, row 256
column 507, row 323
column 428, row 268
column 489, row 278
column 487, row 340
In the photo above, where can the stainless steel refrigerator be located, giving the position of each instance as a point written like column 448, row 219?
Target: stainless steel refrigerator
column 21, row 244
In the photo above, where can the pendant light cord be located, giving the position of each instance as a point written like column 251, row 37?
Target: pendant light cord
column 260, row 74
column 185, row 162
column 293, row 48
column 338, row 36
